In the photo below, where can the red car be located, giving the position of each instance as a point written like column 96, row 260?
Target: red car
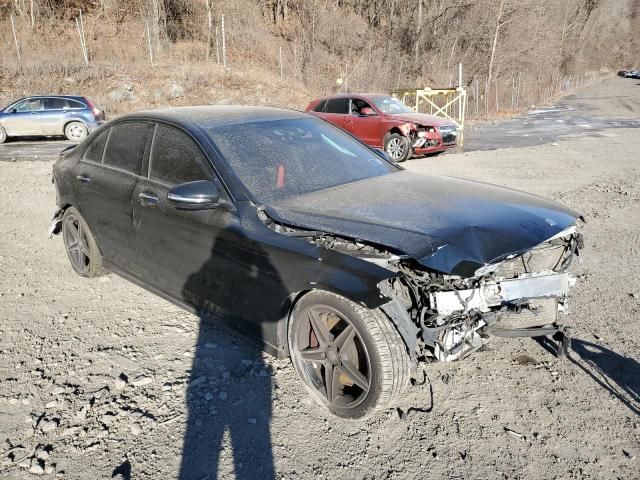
column 385, row 122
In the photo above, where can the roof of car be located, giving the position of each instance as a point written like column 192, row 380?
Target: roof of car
column 56, row 96
column 218, row 115
column 363, row 95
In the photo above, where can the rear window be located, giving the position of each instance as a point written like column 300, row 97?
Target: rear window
column 337, row 105
column 76, row 104
column 94, row 152
column 54, row 103
column 320, row 106
column 126, row 146
column 175, row 158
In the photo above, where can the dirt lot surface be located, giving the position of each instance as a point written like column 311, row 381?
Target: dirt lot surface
column 99, row 377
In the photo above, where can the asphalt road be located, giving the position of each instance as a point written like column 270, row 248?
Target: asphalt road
column 36, row 149
column 566, row 119
column 572, row 117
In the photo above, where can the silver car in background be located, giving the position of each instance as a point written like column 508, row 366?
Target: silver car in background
column 51, row 115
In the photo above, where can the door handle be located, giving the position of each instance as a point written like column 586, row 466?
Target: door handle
column 84, row 178
column 148, row 198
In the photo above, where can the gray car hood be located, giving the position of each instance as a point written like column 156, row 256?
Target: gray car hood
column 447, row 224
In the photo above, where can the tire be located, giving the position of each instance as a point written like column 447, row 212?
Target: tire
column 84, row 255
column 76, row 131
column 397, row 147
column 361, row 340
column 3, row 135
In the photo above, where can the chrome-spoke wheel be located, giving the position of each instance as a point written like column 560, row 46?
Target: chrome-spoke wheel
column 395, row 149
column 334, row 359
column 77, row 244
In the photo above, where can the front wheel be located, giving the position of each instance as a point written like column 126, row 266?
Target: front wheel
column 76, row 132
column 397, row 147
column 3, row 135
column 351, row 359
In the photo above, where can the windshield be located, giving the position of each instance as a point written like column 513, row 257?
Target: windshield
column 283, row 158
column 390, row 105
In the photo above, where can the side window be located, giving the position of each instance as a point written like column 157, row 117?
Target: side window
column 94, row 152
column 175, row 158
column 357, row 105
column 126, row 146
column 337, row 105
column 76, row 104
column 28, row 105
column 320, row 106
column 54, row 103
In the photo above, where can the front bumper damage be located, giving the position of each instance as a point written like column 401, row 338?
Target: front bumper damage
column 426, row 140
column 523, row 307
column 493, row 294
column 521, row 296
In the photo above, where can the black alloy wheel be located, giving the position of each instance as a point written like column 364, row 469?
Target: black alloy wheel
column 80, row 244
column 350, row 358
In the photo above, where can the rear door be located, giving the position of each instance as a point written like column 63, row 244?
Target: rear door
column 106, row 177
column 335, row 110
column 24, row 118
column 53, row 115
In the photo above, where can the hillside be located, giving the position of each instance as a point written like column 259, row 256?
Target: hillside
column 129, row 55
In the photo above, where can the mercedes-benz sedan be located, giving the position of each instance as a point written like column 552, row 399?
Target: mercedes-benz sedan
column 292, row 232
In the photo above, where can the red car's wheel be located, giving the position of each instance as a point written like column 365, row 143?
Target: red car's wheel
column 397, row 147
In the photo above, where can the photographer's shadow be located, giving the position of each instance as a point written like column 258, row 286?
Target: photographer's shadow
column 229, row 397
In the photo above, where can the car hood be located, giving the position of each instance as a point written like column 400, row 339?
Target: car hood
column 447, row 224
column 423, row 119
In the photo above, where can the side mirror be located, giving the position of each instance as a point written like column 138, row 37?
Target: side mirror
column 367, row 112
column 198, row 195
column 13, row 110
column 381, row 153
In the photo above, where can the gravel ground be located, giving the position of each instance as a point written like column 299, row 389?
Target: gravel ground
column 99, row 377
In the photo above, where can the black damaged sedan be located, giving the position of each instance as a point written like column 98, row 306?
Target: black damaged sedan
column 303, row 239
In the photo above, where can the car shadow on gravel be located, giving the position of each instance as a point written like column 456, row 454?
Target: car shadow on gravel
column 229, row 397
column 617, row 374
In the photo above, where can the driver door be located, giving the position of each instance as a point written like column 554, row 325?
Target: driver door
column 365, row 127
column 24, row 118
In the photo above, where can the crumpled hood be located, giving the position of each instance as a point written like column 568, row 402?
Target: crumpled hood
column 423, row 119
column 447, row 224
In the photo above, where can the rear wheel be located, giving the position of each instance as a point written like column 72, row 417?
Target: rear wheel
column 351, row 359
column 397, row 147
column 76, row 131
column 80, row 244
column 3, row 135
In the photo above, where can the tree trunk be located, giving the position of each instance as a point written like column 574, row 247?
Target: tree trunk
column 494, row 46
column 416, row 56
